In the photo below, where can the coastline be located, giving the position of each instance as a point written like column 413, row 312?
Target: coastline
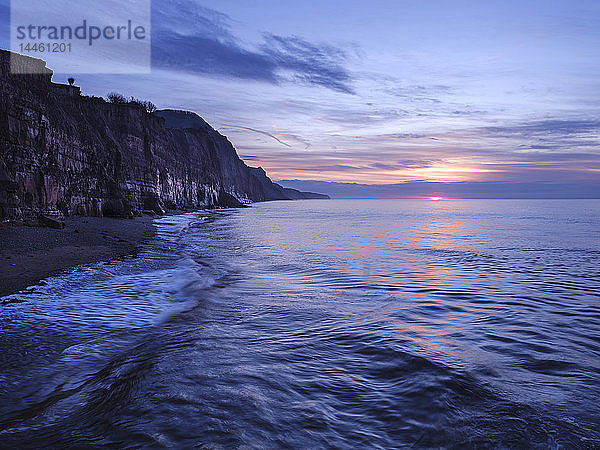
column 30, row 254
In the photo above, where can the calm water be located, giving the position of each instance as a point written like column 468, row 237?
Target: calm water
column 320, row 324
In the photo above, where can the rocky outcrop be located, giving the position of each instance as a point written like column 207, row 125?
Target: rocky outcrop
column 64, row 153
column 278, row 192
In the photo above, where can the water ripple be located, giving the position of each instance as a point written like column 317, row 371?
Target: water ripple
column 377, row 324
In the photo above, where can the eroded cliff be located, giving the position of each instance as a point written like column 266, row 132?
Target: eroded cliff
column 64, row 153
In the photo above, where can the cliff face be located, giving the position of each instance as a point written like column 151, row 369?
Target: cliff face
column 64, row 153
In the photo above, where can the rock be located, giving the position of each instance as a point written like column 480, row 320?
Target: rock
column 50, row 222
column 8, row 186
column 229, row 201
column 116, row 208
column 153, row 203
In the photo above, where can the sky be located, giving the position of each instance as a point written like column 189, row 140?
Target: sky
column 383, row 92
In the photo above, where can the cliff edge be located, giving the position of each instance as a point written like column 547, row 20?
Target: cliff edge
column 62, row 153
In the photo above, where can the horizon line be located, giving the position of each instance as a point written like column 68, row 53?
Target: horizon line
column 463, row 198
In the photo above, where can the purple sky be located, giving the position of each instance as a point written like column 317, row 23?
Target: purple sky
column 384, row 92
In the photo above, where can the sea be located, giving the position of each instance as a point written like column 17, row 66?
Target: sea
column 319, row 324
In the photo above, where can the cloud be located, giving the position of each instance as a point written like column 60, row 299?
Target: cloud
column 319, row 64
column 189, row 37
column 405, row 164
column 330, row 168
column 540, row 151
column 253, row 130
column 546, row 128
column 210, row 56
column 361, row 116
column 417, row 92
column 559, row 157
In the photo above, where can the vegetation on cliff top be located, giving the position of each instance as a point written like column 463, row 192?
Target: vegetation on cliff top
column 119, row 99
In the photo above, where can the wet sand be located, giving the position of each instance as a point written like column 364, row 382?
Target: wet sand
column 30, row 254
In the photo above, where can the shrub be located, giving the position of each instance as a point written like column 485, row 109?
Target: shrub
column 147, row 106
column 135, row 102
column 150, row 107
column 113, row 97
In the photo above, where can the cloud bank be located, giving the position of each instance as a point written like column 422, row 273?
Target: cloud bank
column 190, row 37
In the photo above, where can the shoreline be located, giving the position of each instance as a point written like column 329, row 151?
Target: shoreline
column 31, row 254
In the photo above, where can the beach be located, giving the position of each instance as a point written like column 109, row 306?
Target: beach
column 30, row 254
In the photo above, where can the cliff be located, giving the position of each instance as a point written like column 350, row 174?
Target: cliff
column 64, row 153
column 272, row 191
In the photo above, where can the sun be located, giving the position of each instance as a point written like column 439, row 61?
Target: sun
column 435, row 199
